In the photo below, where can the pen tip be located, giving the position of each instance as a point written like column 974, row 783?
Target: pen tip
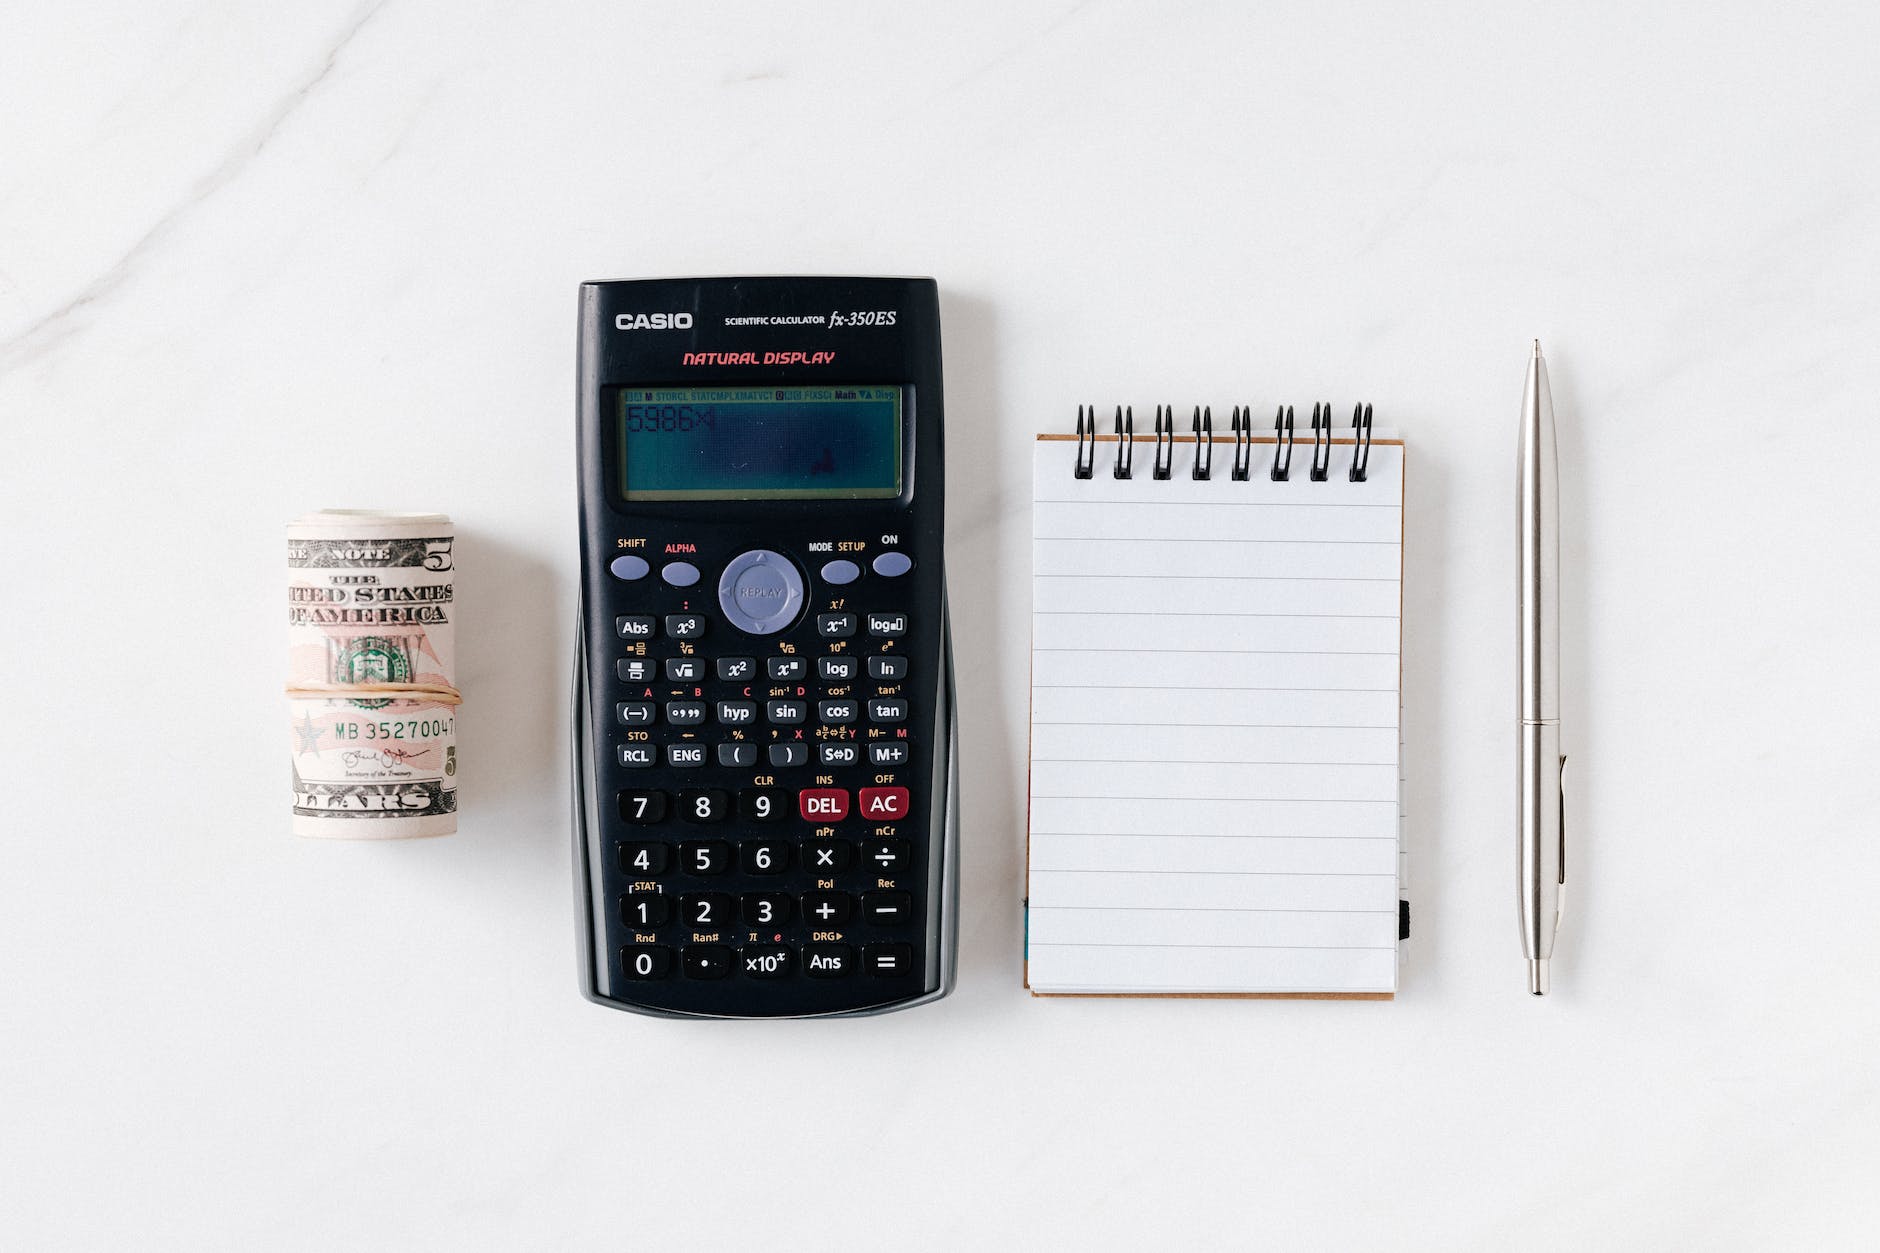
column 1537, row 347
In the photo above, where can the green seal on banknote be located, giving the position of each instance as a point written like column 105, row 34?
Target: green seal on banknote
column 372, row 659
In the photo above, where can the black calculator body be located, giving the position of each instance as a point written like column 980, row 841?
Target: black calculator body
column 763, row 715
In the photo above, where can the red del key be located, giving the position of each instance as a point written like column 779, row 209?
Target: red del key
column 823, row 804
column 884, row 804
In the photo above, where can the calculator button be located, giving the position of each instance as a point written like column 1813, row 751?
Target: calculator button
column 704, row 804
column 635, row 626
column 836, row 669
column 764, row 856
column 737, row 669
column 760, row 591
column 885, row 625
column 685, row 626
column 644, row 860
column 636, row 756
column 763, row 804
column 737, row 713
column 707, row 909
column 685, row 713
column 685, row 669
column 786, row 669
column 705, row 857
column 838, row 754
column 827, row 857
column 646, row 909
column 887, row 909
column 786, row 712
column 887, row 857
column 628, row 567
column 705, row 961
column 764, row 961
column 893, row 754
column 892, row 565
column 646, row 961
column 828, row 961
column 888, row 960
column 737, row 754
column 887, row 669
column 679, row 573
column 836, row 712
column 789, row 754
column 634, row 669
column 635, row 713
column 835, row 626
column 840, row 572
column 827, row 909
column 642, row 807
column 823, row 804
column 685, row 756
column 882, row 804
column 887, row 709
column 765, row 909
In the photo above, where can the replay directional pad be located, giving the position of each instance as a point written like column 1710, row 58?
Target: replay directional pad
column 760, row 592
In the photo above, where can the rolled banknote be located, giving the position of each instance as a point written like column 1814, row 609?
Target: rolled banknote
column 372, row 674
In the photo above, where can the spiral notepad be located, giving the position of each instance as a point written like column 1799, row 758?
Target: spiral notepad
column 1215, row 752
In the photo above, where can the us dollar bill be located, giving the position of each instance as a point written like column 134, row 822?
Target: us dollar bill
column 371, row 600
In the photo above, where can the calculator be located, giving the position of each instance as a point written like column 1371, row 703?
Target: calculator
column 765, row 810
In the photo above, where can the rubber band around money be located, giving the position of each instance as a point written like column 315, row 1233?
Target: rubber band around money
column 442, row 693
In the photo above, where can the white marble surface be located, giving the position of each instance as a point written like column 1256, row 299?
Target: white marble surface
column 255, row 259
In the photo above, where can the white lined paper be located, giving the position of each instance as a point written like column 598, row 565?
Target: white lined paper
column 1216, row 761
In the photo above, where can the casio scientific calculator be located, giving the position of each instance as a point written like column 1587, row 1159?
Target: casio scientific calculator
column 764, row 810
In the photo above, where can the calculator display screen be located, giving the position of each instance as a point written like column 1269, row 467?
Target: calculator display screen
column 759, row 443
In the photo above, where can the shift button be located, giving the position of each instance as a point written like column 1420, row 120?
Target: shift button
column 629, row 567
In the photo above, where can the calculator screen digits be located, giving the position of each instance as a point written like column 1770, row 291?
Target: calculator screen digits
column 759, row 443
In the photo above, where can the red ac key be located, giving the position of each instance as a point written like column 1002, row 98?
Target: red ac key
column 823, row 804
column 884, row 804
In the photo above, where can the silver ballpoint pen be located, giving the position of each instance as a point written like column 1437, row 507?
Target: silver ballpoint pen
column 1541, row 821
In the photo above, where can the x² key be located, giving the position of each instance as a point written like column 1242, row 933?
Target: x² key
column 823, row 804
column 883, row 804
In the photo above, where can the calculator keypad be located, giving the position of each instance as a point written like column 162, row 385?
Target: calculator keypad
column 780, row 844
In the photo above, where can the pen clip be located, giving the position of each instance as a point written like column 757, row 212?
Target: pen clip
column 1563, row 829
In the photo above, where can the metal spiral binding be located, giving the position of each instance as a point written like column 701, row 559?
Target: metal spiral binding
column 1241, row 424
column 1243, row 442
column 1361, row 447
column 1282, row 443
column 1321, row 441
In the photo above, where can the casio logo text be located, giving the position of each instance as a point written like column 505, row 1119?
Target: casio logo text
column 653, row 322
